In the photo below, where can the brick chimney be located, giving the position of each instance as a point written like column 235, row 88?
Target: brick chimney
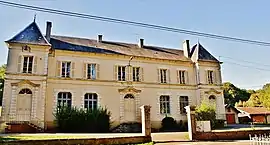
column 48, row 31
column 186, row 48
column 141, row 43
column 99, row 39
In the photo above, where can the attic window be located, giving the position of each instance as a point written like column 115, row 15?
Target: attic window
column 26, row 49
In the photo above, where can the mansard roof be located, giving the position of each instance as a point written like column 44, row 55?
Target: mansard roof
column 203, row 54
column 30, row 35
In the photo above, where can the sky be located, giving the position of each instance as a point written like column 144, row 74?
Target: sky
column 241, row 18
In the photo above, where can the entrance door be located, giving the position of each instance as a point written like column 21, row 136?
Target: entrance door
column 230, row 118
column 129, row 108
column 24, row 105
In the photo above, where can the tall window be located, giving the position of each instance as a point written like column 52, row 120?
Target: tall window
column 90, row 101
column 182, row 79
column 66, row 69
column 27, row 64
column 163, row 75
column 136, row 74
column 183, row 103
column 121, row 73
column 64, row 99
column 91, row 71
column 210, row 76
column 164, row 104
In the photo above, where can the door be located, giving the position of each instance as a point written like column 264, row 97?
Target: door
column 129, row 108
column 230, row 118
column 24, row 105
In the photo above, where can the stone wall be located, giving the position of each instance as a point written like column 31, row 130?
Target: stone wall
column 91, row 141
column 228, row 135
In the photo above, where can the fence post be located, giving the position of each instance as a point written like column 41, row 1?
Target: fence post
column 191, row 121
column 146, row 122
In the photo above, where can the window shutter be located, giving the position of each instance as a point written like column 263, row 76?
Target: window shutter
column 19, row 64
column 73, row 69
column 115, row 70
column 178, row 77
column 97, row 71
column 206, row 77
column 186, row 77
column 58, row 69
column 85, row 70
column 158, row 75
column 35, row 64
column 141, row 74
column 129, row 73
column 168, row 76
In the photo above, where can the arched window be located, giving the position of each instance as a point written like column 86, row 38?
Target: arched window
column 64, row 99
column 212, row 97
column 25, row 91
column 164, row 104
column 90, row 101
column 129, row 96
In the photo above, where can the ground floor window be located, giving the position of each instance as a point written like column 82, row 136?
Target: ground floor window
column 164, row 104
column 90, row 101
column 64, row 99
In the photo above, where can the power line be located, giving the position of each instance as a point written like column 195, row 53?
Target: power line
column 139, row 24
column 229, row 62
column 244, row 61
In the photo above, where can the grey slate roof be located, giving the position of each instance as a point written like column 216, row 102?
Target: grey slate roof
column 203, row 53
column 30, row 35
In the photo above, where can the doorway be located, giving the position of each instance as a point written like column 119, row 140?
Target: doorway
column 129, row 108
column 24, row 105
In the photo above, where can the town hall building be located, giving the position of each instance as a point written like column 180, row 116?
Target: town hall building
column 47, row 71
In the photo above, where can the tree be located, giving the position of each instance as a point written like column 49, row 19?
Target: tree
column 233, row 94
column 2, row 77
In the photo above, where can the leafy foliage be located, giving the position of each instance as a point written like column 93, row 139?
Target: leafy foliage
column 74, row 120
column 2, row 77
column 168, row 124
column 207, row 112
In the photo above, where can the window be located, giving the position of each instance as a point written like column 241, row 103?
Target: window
column 25, row 91
column 64, row 99
column 90, row 101
column 66, row 69
column 182, row 76
column 27, row 64
column 183, row 103
column 91, row 71
column 163, row 75
column 121, row 73
column 164, row 104
column 136, row 74
column 210, row 76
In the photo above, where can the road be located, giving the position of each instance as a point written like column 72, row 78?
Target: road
column 207, row 143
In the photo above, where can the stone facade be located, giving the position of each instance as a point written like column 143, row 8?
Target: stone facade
column 45, row 82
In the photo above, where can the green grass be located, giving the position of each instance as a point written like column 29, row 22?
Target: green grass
column 40, row 137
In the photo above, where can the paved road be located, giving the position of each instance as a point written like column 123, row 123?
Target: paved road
column 207, row 143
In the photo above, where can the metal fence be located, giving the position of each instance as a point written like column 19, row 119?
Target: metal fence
column 261, row 139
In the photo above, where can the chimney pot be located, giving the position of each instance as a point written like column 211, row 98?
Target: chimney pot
column 186, row 48
column 99, row 38
column 48, row 31
column 141, row 44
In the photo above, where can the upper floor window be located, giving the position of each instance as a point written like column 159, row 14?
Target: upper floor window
column 90, row 101
column 164, row 104
column 121, row 73
column 210, row 76
column 27, row 64
column 163, row 75
column 66, row 67
column 183, row 100
column 91, row 70
column 136, row 74
column 64, row 99
column 182, row 76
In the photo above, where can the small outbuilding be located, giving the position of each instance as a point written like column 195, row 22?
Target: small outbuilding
column 231, row 114
column 254, row 114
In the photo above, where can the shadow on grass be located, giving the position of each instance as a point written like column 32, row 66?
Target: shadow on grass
column 3, row 138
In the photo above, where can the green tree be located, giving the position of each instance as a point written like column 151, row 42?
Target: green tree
column 233, row 94
column 2, row 78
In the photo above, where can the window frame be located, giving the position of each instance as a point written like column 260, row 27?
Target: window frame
column 91, row 99
column 66, row 74
column 64, row 98
column 183, row 102
column 210, row 76
column 182, row 76
column 163, row 76
column 136, row 74
column 164, row 104
column 123, row 73
column 29, row 71
column 89, row 75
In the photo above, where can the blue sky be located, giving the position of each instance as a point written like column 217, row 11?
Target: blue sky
column 241, row 18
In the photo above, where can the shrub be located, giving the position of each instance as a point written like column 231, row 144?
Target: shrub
column 168, row 124
column 182, row 126
column 128, row 127
column 72, row 119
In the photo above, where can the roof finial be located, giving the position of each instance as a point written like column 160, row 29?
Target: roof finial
column 35, row 17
